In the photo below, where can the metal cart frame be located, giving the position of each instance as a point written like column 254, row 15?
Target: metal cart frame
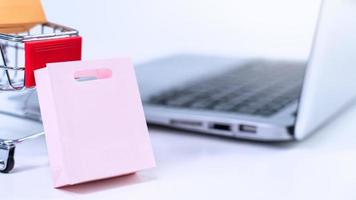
column 12, row 77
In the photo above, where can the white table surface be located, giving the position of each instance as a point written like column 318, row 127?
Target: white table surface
column 194, row 166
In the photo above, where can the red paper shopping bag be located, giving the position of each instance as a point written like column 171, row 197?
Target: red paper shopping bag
column 41, row 52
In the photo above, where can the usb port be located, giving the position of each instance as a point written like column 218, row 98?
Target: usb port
column 247, row 128
column 220, row 127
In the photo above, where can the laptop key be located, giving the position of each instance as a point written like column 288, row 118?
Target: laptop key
column 256, row 89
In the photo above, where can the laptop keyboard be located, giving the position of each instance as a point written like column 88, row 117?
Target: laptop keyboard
column 260, row 88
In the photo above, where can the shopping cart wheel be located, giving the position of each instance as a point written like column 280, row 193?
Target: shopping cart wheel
column 7, row 161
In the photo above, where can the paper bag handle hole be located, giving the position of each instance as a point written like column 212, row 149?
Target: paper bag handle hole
column 92, row 74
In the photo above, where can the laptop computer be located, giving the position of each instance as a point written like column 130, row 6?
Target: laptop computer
column 258, row 99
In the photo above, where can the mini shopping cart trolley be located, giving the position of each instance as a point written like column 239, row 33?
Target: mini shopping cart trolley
column 21, row 54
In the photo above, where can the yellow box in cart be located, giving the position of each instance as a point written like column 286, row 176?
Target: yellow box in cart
column 20, row 15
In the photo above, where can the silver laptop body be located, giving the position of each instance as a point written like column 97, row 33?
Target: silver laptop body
column 258, row 99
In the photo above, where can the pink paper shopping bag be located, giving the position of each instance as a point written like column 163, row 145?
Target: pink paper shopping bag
column 93, row 120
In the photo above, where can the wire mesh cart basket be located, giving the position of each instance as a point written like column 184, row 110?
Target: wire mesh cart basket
column 14, row 77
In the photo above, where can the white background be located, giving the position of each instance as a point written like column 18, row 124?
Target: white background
column 147, row 29
column 193, row 166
